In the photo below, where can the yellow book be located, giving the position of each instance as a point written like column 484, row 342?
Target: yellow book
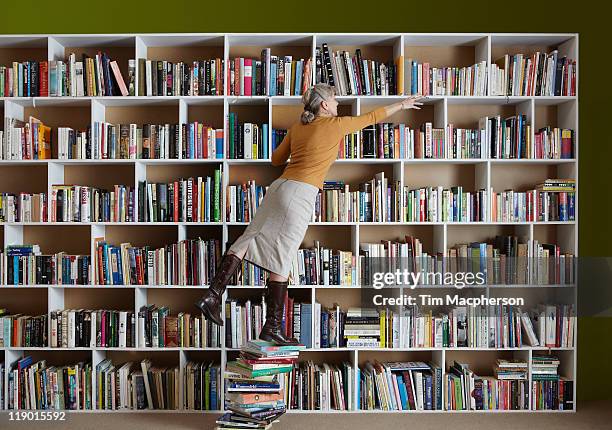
column 382, row 329
column 399, row 70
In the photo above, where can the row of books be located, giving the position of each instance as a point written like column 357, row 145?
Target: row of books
column 19, row 330
column 495, row 138
column 269, row 75
column 537, row 74
column 25, row 265
column 480, row 326
column 194, row 140
column 508, row 390
column 92, row 76
column 399, row 386
column 151, row 327
column 532, row 206
column 80, row 203
column 39, row 385
column 166, row 78
column 193, row 199
column 25, row 140
column 440, row 204
column 245, row 319
column 246, row 140
column 158, row 329
column 24, row 207
column 354, row 75
column 187, row 262
column 424, row 79
column 312, row 386
column 550, row 391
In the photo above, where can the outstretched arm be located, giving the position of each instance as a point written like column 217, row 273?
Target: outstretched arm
column 351, row 124
column 282, row 151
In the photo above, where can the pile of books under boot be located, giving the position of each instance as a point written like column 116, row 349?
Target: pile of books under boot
column 254, row 398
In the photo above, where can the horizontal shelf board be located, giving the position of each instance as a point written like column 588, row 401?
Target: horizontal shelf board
column 268, row 160
column 382, row 350
column 80, row 348
column 319, row 287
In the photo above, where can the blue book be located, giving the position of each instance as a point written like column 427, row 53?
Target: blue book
column 324, row 330
column 428, row 391
column 213, row 388
column 15, row 270
column 358, row 390
column 415, row 75
column 403, row 392
column 305, row 325
column 264, row 129
column 219, row 144
column 298, row 77
column 273, row 78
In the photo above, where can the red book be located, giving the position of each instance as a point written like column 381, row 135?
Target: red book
column 248, row 76
column 43, row 79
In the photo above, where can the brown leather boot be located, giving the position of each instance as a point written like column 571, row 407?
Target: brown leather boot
column 210, row 304
column 272, row 331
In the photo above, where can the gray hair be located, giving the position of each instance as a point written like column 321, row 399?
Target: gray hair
column 312, row 99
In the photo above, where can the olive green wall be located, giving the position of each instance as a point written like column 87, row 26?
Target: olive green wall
column 584, row 17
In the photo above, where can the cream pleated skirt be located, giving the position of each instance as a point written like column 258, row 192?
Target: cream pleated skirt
column 275, row 233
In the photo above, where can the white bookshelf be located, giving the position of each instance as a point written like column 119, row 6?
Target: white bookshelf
column 452, row 49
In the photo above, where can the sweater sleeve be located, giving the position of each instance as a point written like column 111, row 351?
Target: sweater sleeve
column 351, row 124
column 282, row 151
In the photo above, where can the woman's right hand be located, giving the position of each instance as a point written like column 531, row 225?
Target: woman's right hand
column 412, row 102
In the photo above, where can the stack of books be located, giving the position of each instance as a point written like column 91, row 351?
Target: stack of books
column 254, row 398
column 362, row 328
column 549, row 391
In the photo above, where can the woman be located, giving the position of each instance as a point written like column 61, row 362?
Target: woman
column 274, row 235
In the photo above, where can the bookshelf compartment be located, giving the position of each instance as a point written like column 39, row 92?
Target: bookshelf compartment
column 507, row 177
column 166, row 173
column 346, row 298
column 261, row 174
column 384, row 356
column 431, row 237
column 555, row 113
column 72, row 239
column 382, row 48
column 250, row 46
column 471, row 177
column 177, row 48
column 28, row 301
column 482, row 362
column 105, row 177
column 14, row 179
column 467, row 113
column 141, row 235
column 141, row 111
column 205, row 111
column 561, row 235
column 107, row 298
column 175, row 301
column 446, row 51
column 361, row 171
column 321, row 233
column 529, row 44
column 461, row 234
column 74, row 114
column 20, row 49
column 119, row 48
column 431, row 111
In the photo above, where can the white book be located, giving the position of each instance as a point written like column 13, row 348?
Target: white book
column 71, row 329
column 79, row 79
column 248, row 140
column 122, row 329
column 93, row 331
column 149, row 79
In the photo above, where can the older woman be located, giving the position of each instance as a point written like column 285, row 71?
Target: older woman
column 274, row 235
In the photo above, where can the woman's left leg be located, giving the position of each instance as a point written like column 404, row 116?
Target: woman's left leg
column 272, row 331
